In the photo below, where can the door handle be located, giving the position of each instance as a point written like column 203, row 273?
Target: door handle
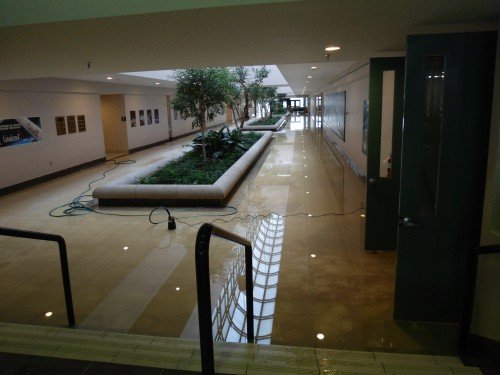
column 409, row 222
column 372, row 181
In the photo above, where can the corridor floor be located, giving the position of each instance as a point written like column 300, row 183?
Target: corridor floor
column 301, row 205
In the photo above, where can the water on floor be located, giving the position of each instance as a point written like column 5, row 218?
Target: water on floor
column 301, row 206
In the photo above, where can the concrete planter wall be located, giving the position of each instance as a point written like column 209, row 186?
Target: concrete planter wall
column 275, row 127
column 125, row 191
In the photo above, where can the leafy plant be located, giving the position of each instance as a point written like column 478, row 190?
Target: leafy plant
column 191, row 169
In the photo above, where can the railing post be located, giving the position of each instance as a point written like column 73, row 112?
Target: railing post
column 66, row 282
column 249, row 292
column 204, row 302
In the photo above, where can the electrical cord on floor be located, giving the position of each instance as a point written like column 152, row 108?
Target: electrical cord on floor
column 79, row 205
column 254, row 217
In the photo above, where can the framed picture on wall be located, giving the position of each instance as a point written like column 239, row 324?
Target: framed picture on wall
column 364, row 145
column 71, row 121
column 133, row 120
column 20, row 130
column 150, row 116
column 334, row 113
column 141, row 117
column 60, row 125
column 82, row 126
column 157, row 116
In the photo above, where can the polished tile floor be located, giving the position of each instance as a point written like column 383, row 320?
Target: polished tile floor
column 300, row 205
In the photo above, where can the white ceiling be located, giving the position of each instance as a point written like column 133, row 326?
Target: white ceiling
column 291, row 35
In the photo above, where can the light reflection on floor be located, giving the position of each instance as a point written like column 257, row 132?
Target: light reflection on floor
column 342, row 292
column 229, row 317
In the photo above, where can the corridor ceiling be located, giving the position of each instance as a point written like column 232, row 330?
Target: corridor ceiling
column 290, row 34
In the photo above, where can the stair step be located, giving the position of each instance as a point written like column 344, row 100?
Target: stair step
column 230, row 358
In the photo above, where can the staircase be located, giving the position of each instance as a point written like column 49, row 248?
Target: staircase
column 230, row 358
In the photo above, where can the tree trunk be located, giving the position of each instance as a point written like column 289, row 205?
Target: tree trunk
column 203, row 126
column 245, row 110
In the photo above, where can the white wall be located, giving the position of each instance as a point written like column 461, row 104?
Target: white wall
column 356, row 87
column 147, row 134
column 53, row 153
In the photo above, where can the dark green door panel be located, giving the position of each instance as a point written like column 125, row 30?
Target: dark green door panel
column 448, row 96
column 382, row 194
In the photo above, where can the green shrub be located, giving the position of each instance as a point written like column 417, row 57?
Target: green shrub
column 190, row 169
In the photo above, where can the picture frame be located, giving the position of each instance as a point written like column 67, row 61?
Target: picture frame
column 157, row 116
column 141, row 117
column 133, row 119
column 335, row 112
column 149, row 116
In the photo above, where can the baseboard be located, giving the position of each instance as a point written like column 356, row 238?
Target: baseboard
column 48, row 177
column 145, row 147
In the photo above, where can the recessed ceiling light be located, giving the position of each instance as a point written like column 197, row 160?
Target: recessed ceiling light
column 314, row 67
column 125, row 248
column 177, row 288
column 313, row 255
column 48, row 314
column 309, row 215
column 157, row 83
column 309, row 77
column 320, row 336
column 109, row 78
column 362, row 215
column 332, row 48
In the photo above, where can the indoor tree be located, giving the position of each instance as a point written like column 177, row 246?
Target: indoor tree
column 201, row 94
column 247, row 83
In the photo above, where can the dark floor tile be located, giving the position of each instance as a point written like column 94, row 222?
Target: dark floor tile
column 101, row 368
column 14, row 364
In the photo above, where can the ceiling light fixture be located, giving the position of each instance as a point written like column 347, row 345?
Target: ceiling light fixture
column 309, row 77
column 332, row 48
column 157, row 83
column 109, row 78
column 314, row 67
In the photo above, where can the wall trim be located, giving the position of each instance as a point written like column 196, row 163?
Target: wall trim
column 145, row 147
column 51, row 176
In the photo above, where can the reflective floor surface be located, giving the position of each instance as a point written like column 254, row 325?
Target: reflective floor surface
column 301, row 207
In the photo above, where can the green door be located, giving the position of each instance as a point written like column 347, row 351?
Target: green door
column 448, row 96
column 384, row 152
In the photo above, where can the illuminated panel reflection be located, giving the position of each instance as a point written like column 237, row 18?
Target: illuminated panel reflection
column 229, row 317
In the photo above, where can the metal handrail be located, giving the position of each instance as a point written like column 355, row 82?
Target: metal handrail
column 469, row 295
column 203, row 290
column 10, row 232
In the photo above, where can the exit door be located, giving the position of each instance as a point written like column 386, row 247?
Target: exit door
column 448, row 96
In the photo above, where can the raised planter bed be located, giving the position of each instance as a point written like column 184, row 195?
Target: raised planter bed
column 281, row 122
column 125, row 191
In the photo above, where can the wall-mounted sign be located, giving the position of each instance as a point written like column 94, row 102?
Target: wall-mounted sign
column 15, row 131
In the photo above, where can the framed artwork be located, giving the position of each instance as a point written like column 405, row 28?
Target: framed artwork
column 364, row 145
column 157, row 117
column 20, row 130
column 82, row 126
column 71, row 121
column 133, row 120
column 141, row 117
column 150, row 116
column 60, row 125
column 334, row 113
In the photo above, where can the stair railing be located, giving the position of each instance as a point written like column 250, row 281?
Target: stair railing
column 203, row 290
column 63, row 256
